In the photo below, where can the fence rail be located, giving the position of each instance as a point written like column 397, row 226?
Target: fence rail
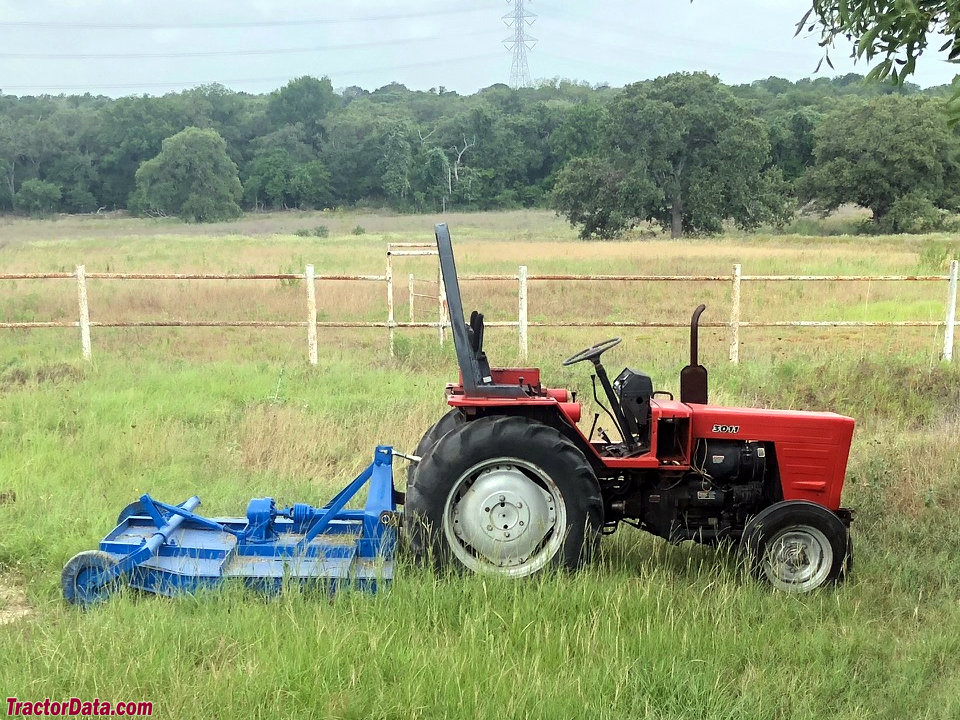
column 523, row 279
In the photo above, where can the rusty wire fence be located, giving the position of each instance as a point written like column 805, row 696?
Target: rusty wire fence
column 437, row 295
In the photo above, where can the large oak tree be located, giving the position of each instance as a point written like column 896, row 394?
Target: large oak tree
column 192, row 177
column 679, row 151
column 894, row 155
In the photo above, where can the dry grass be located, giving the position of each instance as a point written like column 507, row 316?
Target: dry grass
column 13, row 603
column 486, row 243
column 115, row 226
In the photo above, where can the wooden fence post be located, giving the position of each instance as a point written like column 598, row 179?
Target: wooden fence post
column 390, row 319
column 951, row 321
column 411, row 289
column 311, row 315
column 84, row 312
column 734, row 329
column 522, row 311
column 441, row 303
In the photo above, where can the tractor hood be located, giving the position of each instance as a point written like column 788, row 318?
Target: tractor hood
column 812, row 448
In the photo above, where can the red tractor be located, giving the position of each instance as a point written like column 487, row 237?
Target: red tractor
column 508, row 482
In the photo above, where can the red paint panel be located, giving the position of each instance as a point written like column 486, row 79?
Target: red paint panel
column 670, row 409
column 812, row 448
column 571, row 410
column 514, row 376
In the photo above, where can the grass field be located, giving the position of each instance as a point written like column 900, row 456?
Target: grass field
column 650, row 631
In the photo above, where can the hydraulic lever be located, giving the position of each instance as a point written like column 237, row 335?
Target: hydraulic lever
column 617, row 415
column 593, row 382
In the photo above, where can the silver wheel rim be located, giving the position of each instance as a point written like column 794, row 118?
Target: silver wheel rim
column 504, row 516
column 798, row 559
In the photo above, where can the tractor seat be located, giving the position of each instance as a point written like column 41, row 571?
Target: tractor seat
column 635, row 389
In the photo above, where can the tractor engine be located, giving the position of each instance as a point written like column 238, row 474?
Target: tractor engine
column 712, row 501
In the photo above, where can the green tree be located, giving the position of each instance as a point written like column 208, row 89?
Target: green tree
column 38, row 197
column 896, row 32
column 680, row 151
column 431, row 179
column 9, row 157
column 306, row 100
column 882, row 152
column 192, row 177
column 268, row 176
column 396, row 163
column 74, row 163
column 580, row 133
column 791, row 141
column 355, row 145
column 604, row 197
column 311, row 185
column 132, row 130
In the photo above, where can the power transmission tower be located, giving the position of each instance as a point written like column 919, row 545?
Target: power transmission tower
column 519, row 19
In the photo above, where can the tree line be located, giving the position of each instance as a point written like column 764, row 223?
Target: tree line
column 683, row 152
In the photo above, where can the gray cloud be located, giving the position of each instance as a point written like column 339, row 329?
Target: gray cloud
column 255, row 45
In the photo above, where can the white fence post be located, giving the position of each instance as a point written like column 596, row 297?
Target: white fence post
column 84, row 312
column 951, row 321
column 734, row 329
column 410, row 286
column 311, row 315
column 522, row 311
column 441, row 302
column 390, row 319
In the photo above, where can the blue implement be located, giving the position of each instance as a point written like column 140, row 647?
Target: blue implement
column 170, row 550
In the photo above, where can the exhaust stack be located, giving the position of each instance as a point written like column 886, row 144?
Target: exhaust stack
column 693, row 378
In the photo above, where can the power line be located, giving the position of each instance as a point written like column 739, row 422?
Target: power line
column 69, row 25
column 696, row 44
column 519, row 19
column 195, row 83
column 225, row 53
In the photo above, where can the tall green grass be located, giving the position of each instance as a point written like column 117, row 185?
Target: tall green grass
column 651, row 631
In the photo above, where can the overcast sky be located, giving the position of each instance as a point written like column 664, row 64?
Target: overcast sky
column 258, row 45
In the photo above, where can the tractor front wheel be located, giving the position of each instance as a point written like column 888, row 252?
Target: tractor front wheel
column 797, row 546
column 504, row 495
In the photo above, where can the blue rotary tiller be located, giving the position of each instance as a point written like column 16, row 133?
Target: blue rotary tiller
column 169, row 549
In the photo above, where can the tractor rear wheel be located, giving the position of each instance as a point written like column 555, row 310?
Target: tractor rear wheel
column 797, row 546
column 431, row 437
column 505, row 495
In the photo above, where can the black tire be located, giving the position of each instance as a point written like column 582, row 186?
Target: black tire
column 78, row 579
column 508, row 470
column 431, row 437
column 797, row 546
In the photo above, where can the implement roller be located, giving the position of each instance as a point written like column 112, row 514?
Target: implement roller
column 170, row 550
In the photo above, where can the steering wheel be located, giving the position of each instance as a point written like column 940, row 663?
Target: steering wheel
column 593, row 352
